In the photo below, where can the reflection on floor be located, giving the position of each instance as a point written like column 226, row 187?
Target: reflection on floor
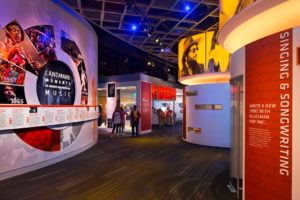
column 157, row 166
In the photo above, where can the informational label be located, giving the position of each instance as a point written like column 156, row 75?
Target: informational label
column 70, row 115
column 268, row 120
column 3, row 118
column 26, row 117
column 49, row 117
column 18, row 118
column 61, row 116
column 146, row 104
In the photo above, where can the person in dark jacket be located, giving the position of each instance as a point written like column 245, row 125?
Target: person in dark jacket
column 135, row 119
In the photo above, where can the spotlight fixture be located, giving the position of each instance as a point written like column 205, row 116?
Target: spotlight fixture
column 187, row 8
column 157, row 40
column 133, row 27
column 149, row 63
column 160, row 43
column 162, row 50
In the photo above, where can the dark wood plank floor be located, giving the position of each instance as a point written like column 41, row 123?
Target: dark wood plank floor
column 158, row 166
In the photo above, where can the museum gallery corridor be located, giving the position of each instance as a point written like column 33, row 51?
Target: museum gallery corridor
column 156, row 166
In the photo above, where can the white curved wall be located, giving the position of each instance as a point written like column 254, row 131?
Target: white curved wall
column 16, row 156
column 237, row 63
column 214, row 124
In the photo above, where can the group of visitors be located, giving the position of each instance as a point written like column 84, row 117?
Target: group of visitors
column 161, row 117
column 118, row 119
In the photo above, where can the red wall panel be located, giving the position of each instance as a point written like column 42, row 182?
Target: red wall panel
column 268, row 120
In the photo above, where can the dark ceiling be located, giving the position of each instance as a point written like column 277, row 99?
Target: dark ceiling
column 165, row 20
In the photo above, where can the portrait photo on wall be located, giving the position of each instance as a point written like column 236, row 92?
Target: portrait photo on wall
column 43, row 39
column 217, row 58
column 191, row 57
column 111, row 90
column 16, row 47
column 83, row 77
column 11, row 94
column 10, row 73
column 200, row 54
column 69, row 46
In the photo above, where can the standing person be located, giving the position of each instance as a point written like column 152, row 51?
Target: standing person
column 169, row 116
column 158, row 116
column 116, row 120
column 162, row 117
column 135, row 118
column 100, row 115
column 123, row 115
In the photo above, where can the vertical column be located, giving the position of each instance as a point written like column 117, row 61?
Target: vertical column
column 146, row 106
column 111, row 104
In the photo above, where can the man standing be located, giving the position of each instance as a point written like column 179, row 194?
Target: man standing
column 135, row 118
column 190, row 66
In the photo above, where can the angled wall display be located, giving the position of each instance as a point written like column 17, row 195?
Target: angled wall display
column 47, row 85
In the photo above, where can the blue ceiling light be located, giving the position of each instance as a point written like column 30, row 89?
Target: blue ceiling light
column 133, row 27
column 187, row 8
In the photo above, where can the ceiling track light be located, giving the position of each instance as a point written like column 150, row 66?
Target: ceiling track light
column 133, row 27
column 187, row 8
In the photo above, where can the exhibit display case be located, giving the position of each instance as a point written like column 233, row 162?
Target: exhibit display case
column 48, row 95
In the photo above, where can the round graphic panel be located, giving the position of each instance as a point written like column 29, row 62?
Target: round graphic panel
column 55, row 84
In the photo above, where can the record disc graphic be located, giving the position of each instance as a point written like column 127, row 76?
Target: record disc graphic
column 32, row 53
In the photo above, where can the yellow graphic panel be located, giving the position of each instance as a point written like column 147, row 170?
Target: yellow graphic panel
column 201, row 54
column 191, row 55
column 229, row 8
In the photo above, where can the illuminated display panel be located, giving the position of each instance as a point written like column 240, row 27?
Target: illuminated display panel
column 201, row 54
column 229, row 8
column 258, row 21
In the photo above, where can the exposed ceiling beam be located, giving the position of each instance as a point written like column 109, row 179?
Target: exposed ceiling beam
column 102, row 14
column 122, row 17
column 143, row 17
column 79, row 6
column 183, row 34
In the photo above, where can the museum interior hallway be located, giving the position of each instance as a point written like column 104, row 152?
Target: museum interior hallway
column 155, row 166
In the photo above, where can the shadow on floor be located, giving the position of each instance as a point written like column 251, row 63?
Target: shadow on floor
column 220, row 189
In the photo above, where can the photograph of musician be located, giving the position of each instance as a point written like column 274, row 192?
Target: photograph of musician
column 16, row 47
